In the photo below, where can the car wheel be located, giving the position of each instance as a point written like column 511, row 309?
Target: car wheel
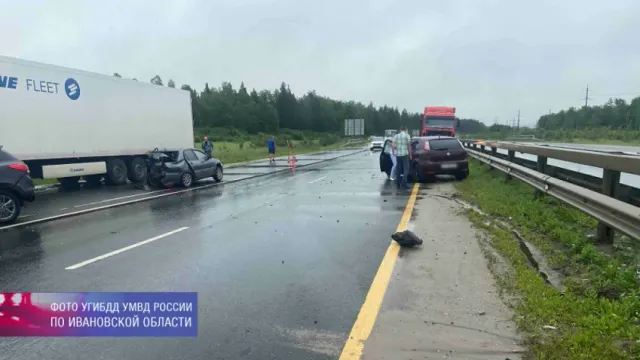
column 116, row 172
column 417, row 174
column 9, row 207
column 186, row 179
column 136, row 170
column 461, row 176
column 154, row 182
column 217, row 176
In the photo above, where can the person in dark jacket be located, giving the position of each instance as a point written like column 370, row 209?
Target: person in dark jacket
column 271, row 148
column 207, row 146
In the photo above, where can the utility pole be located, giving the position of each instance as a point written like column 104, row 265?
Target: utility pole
column 586, row 97
column 518, row 126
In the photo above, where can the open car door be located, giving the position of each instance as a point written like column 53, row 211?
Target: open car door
column 385, row 159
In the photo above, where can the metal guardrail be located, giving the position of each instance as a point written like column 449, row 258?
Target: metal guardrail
column 611, row 212
column 617, row 161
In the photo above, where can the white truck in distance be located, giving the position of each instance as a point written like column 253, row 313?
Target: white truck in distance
column 66, row 124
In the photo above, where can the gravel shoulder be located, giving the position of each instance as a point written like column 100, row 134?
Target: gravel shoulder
column 442, row 301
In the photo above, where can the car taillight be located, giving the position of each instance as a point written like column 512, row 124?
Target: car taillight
column 426, row 145
column 19, row 167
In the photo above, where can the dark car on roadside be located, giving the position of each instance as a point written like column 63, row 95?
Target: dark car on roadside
column 182, row 167
column 432, row 156
column 16, row 187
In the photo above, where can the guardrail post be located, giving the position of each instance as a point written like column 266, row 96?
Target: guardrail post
column 510, row 156
column 494, row 152
column 610, row 182
column 541, row 166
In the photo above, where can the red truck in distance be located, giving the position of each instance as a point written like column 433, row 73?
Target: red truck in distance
column 439, row 120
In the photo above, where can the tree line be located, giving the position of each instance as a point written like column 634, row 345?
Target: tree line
column 270, row 111
column 614, row 114
column 616, row 119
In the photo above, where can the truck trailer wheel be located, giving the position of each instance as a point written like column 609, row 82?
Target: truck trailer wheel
column 136, row 170
column 116, row 172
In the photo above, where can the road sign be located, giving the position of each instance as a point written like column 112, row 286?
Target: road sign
column 354, row 127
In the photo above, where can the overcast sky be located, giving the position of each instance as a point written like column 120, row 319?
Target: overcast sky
column 488, row 58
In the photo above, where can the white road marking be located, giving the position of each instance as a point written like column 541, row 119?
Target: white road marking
column 118, row 198
column 25, row 216
column 116, row 252
column 63, row 209
column 311, row 182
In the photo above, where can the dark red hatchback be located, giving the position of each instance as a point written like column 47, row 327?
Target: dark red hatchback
column 432, row 155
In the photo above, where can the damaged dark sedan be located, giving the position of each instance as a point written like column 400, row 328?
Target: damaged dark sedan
column 167, row 168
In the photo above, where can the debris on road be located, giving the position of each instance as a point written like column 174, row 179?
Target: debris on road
column 406, row 238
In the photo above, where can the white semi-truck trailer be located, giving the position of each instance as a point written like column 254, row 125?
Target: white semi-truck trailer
column 66, row 124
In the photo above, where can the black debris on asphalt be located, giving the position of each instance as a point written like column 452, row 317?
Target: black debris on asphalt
column 406, row 238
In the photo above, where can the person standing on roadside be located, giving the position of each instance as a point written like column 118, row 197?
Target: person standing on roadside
column 401, row 148
column 271, row 148
column 394, row 161
column 207, row 146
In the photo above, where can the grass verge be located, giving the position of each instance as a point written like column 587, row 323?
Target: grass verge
column 597, row 317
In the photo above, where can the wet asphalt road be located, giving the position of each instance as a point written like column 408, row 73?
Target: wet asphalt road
column 55, row 201
column 281, row 263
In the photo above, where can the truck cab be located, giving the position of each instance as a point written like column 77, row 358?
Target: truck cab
column 439, row 121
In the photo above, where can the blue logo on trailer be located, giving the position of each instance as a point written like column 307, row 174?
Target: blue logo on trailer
column 72, row 89
column 8, row 82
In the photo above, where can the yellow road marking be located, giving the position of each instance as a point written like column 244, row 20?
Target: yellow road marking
column 369, row 311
